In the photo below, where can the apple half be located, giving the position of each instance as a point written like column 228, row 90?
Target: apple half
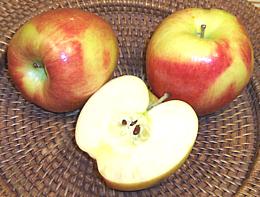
column 136, row 143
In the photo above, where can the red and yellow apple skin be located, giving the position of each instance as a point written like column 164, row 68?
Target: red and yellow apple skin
column 207, row 72
column 61, row 57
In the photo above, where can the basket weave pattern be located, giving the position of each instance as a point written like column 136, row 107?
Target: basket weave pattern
column 38, row 153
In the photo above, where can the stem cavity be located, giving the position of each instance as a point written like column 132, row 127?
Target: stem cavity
column 202, row 30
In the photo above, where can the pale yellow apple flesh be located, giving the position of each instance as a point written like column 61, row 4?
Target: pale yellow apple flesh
column 134, row 147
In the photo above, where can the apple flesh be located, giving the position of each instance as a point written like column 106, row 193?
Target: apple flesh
column 135, row 144
column 201, row 56
column 61, row 57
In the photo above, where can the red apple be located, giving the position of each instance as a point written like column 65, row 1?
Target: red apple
column 61, row 57
column 201, row 56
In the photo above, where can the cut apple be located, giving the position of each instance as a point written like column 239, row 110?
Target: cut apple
column 136, row 143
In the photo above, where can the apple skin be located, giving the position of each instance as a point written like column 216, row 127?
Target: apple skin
column 61, row 57
column 207, row 72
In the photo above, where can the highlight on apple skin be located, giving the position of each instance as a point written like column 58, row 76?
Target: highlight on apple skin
column 60, row 57
column 201, row 56
column 135, row 142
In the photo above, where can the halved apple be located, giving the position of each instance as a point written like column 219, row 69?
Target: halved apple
column 136, row 144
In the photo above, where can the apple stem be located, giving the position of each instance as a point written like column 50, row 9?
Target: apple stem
column 160, row 100
column 202, row 28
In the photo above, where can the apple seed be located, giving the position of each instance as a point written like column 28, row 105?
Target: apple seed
column 124, row 122
column 133, row 123
column 137, row 129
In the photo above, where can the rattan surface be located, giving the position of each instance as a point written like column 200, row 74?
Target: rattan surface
column 38, row 154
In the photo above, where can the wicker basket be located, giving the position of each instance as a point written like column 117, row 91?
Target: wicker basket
column 38, row 154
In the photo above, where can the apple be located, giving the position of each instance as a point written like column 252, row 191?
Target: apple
column 135, row 144
column 201, row 56
column 60, row 57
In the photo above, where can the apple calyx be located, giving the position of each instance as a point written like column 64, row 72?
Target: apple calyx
column 37, row 65
column 202, row 32
column 40, row 70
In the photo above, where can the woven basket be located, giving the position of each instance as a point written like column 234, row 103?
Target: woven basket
column 38, row 154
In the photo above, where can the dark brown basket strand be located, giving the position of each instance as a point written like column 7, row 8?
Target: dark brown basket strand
column 38, row 154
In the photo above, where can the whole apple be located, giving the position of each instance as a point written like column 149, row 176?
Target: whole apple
column 61, row 57
column 201, row 56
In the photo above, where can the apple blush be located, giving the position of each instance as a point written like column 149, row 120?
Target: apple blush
column 136, row 140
